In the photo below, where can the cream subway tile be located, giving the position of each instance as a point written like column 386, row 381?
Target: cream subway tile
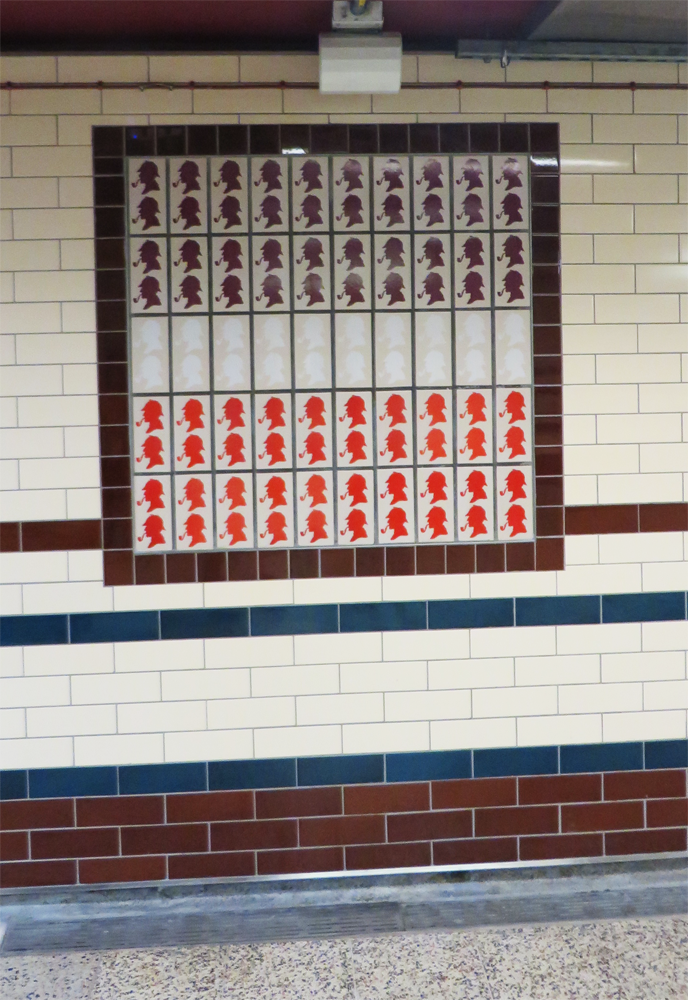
column 338, row 708
column 576, row 249
column 664, row 337
column 638, row 367
column 276, row 67
column 589, row 158
column 488, row 116
column 573, row 129
column 86, row 720
column 642, row 547
column 661, row 218
column 659, row 636
column 75, row 192
column 538, row 70
column 252, row 592
column 32, row 692
column 634, row 128
column 4, row 102
column 83, row 504
column 9, row 475
column 81, row 441
column 51, row 411
column 660, row 188
column 56, row 102
column 8, row 352
column 12, row 724
column 322, row 678
column 448, row 69
column 666, row 102
column 522, row 584
column 578, row 309
column 258, row 651
column 12, row 604
column 664, row 457
column 660, row 159
column 6, row 292
column 656, row 666
column 85, row 565
column 75, row 130
column 202, row 746
column 683, row 73
column 662, row 308
column 48, row 286
column 29, row 131
column 148, row 102
column 471, row 734
column 337, row 590
column 597, row 219
column 576, row 189
column 581, row 550
column 239, row 102
column 53, row 223
column 202, row 69
column 639, row 427
column 8, row 407
column 580, row 490
column 158, row 597
column 76, row 255
column 37, row 192
column 161, row 717
column 301, row 741
column 684, row 308
column 280, row 119
column 597, row 102
column 79, row 317
column 560, row 729
column 650, row 248
column 504, row 702
column 34, row 505
column 456, row 674
column 610, row 638
column 661, row 277
column 580, row 430
column 530, row 641
column 579, row 369
column 31, row 255
column 29, row 69
column 416, row 706
column 55, row 349
column 21, row 754
column 92, row 751
column 623, row 727
column 642, row 488
column 600, row 698
column 638, row 72
column 195, row 120
column 33, row 318
column 12, row 661
column 601, row 579
column 313, row 102
column 409, row 68
column 502, row 101
column 400, row 676
column 358, row 647
column 355, row 119
column 55, row 473
column 33, row 380
column 111, row 69
column 424, row 588
column 540, row 670
column 5, row 161
column 190, row 685
column 665, row 694
column 30, row 442
column 683, row 129
column 66, row 598
column 434, row 644
column 665, row 576
column 165, row 654
column 250, row 713
column 26, row 567
column 590, row 459
column 109, row 689
column 662, row 398
column 386, row 737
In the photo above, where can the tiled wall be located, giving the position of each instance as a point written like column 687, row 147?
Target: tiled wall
column 624, row 200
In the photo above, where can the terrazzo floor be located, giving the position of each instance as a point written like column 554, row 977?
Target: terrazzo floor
column 637, row 959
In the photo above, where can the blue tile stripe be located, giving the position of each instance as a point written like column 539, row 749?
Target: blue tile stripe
column 353, row 769
column 321, row 619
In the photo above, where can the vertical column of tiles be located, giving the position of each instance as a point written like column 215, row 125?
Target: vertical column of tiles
column 352, row 299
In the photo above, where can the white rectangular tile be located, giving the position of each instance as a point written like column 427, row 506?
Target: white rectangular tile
column 251, row 713
column 71, row 721
column 524, row 641
column 339, row 708
column 256, row 651
column 216, row 745
column 433, row 644
column 600, row 698
column 622, row 727
column 109, row 689
column 454, row 674
column 659, row 695
column 93, row 751
column 152, row 717
column 496, row 703
column 20, row 754
column 315, row 679
column 192, row 685
column 298, row 741
column 664, row 635
column 668, row 665
column 357, row 647
column 611, row 638
column 24, row 692
column 470, row 734
column 559, row 730
column 386, row 737
column 422, row 705
column 12, row 723
column 583, row 669
column 400, row 676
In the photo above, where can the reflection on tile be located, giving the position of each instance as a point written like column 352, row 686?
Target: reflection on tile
column 396, row 518
column 275, row 509
column 510, row 192
column 311, row 272
column 152, row 513
column 433, row 349
column 231, row 353
column 312, row 351
column 393, row 350
column 391, row 193
column 353, row 340
column 310, row 194
column 190, row 361
column 189, row 271
column 147, row 206
column 471, row 192
column 234, row 511
column 272, row 352
column 393, row 272
column 269, row 194
column 351, row 202
column 473, row 348
column 512, row 346
column 150, row 354
column 229, row 180
column 148, row 275
column 188, row 196
column 230, row 274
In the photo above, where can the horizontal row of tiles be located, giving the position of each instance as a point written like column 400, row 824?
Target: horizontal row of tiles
column 318, row 619
column 352, row 769
column 208, row 140
column 366, row 857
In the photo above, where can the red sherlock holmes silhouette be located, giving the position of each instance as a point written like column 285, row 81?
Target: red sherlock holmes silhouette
column 394, row 410
column 516, row 520
column 151, row 452
column 275, row 526
column 356, row 524
column 194, row 530
column 475, row 408
column 234, row 493
column 436, row 487
column 315, row 490
column 435, row 409
column 235, row 528
column 192, row 450
column 354, row 410
column 436, row 522
column 354, row 447
column 275, row 492
column 193, row 494
column 233, row 449
column 151, row 414
column 316, row 524
column 314, row 412
column 475, row 444
column 153, row 493
column 355, row 489
column 396, row 523
column 192, row 414
column 515, row 485
column 395, row 488
column 233, row 413
column 153, row 530
column 476, row 484
column 476, row 521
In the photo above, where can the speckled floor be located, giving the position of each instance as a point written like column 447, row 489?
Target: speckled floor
column 609, row 960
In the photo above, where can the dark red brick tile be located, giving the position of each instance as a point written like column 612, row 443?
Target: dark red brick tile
column 521, row 819
column 602, row 520
column 337, row 562
column 559, row 788
column 490, row 558
column 253, row 835
column 604, row 816
column 46, row 536
column 645, row 841
column 14, row 846
column 430, row 560
column 196, row 807
column 645, row 784
column 304, row 564
column 464, row 793
column 211, row 567
column 520, row 557
column 10, row 538
column 35, row 814
column 120, row 810
column 445, row 825
column 342, row 830
column 667, row 812
column 180, row 567
column 273, row 565
column 147, row 569
column 370, row 561
column 663, row 516
column 475, row 852
column 299, row 802
column 74, row 843
column 18, row 874
column 388, row 856
column 549, row 553
column 242, row 565
column 146, row 869
column 460, row 558
column 585, row 845
column 118, row 569
column 387, row 798
column 314, row 859
column 191, row 838
column 400, row 560
column 211, row 865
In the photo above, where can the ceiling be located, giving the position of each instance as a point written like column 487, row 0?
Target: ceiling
column 227, row 25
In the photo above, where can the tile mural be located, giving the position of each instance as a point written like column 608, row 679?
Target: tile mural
column 330, row 350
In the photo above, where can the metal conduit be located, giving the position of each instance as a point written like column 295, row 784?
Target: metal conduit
column 311, row 85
